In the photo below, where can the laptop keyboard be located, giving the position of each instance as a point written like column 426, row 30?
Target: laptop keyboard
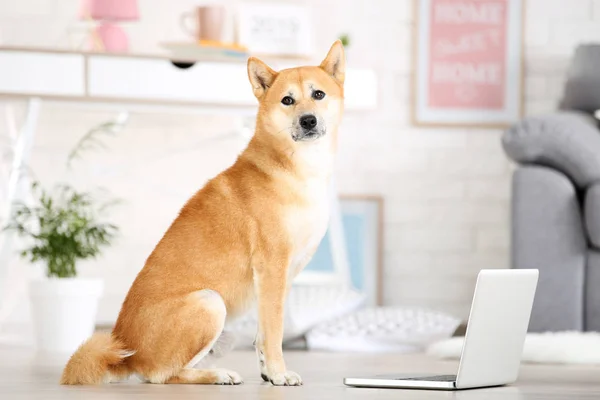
column 436, row 378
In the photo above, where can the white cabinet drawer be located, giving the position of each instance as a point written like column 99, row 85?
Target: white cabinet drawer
column 158, row 79
column 142, row 79
column 41, row 73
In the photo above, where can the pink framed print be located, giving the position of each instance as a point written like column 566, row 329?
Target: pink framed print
column 468, row 62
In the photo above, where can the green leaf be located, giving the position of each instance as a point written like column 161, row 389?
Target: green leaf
column 345, row 39
column 62, row 227
column 91, row 140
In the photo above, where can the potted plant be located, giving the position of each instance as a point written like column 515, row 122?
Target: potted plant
column 345, row 39
column 61, row 229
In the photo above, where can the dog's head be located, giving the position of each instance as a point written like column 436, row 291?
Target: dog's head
column 302, row 104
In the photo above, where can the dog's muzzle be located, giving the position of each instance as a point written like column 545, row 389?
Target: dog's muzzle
column 309, row 128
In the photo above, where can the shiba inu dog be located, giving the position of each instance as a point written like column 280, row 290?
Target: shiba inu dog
column 241, row 239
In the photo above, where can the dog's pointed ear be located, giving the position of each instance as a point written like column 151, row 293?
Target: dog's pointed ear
column 335, row 62
column 261, row 76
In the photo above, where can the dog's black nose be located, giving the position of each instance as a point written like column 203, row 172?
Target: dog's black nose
column 308, row 122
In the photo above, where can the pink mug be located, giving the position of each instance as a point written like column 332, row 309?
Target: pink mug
column 208, row 20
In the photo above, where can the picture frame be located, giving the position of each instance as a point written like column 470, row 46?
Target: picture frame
column 358, row 221
column 271, row 29
column 468, row 63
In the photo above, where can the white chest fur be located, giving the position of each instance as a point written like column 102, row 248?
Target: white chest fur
column 308, row 222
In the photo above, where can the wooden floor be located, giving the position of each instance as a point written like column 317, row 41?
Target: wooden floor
column 24, row 375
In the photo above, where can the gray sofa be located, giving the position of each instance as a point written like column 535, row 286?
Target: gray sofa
column 556, row 202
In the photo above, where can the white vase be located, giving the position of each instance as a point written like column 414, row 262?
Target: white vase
column 64, row 312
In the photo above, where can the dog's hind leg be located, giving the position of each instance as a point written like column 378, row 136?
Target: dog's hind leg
column 215, row 376
column 192, row 328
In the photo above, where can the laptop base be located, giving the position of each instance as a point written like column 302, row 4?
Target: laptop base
column 414, row 381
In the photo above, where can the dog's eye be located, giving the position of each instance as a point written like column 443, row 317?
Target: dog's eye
column 287, row 100
column 318, row 95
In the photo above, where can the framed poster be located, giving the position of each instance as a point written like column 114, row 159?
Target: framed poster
column 468, row 62
column 275, row 29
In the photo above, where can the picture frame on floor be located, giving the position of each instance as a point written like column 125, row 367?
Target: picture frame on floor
column 468, row 63
column 358, row 221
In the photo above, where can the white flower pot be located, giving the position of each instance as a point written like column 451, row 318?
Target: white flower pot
column 64, row 311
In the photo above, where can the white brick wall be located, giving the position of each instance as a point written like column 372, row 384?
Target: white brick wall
column 596, row 10
column 447, row 191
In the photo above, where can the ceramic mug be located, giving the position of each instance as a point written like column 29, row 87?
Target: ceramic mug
column 208, row 21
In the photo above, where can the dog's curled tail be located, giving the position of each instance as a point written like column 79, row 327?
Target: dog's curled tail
column 97, row 360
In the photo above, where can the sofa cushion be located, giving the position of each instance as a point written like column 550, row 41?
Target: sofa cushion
column 592, row 214
column 582, row 90
column 566, row 141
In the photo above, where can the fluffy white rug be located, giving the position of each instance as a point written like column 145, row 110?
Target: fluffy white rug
column 542, row 348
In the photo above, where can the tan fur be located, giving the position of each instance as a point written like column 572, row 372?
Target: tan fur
column 241, row 238
column 102, row 353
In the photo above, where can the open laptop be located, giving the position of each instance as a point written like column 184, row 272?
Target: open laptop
column 493, row 345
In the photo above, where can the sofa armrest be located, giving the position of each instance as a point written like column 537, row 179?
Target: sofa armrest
column 592, row 214
column 566, row 141
column 548, row 234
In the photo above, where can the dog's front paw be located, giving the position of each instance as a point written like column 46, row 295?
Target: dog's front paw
column 288, row 378
column 227, row 377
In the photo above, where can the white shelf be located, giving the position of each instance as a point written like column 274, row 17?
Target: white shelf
column 142, row 79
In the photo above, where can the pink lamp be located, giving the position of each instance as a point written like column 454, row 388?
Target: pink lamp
column 113, row 37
